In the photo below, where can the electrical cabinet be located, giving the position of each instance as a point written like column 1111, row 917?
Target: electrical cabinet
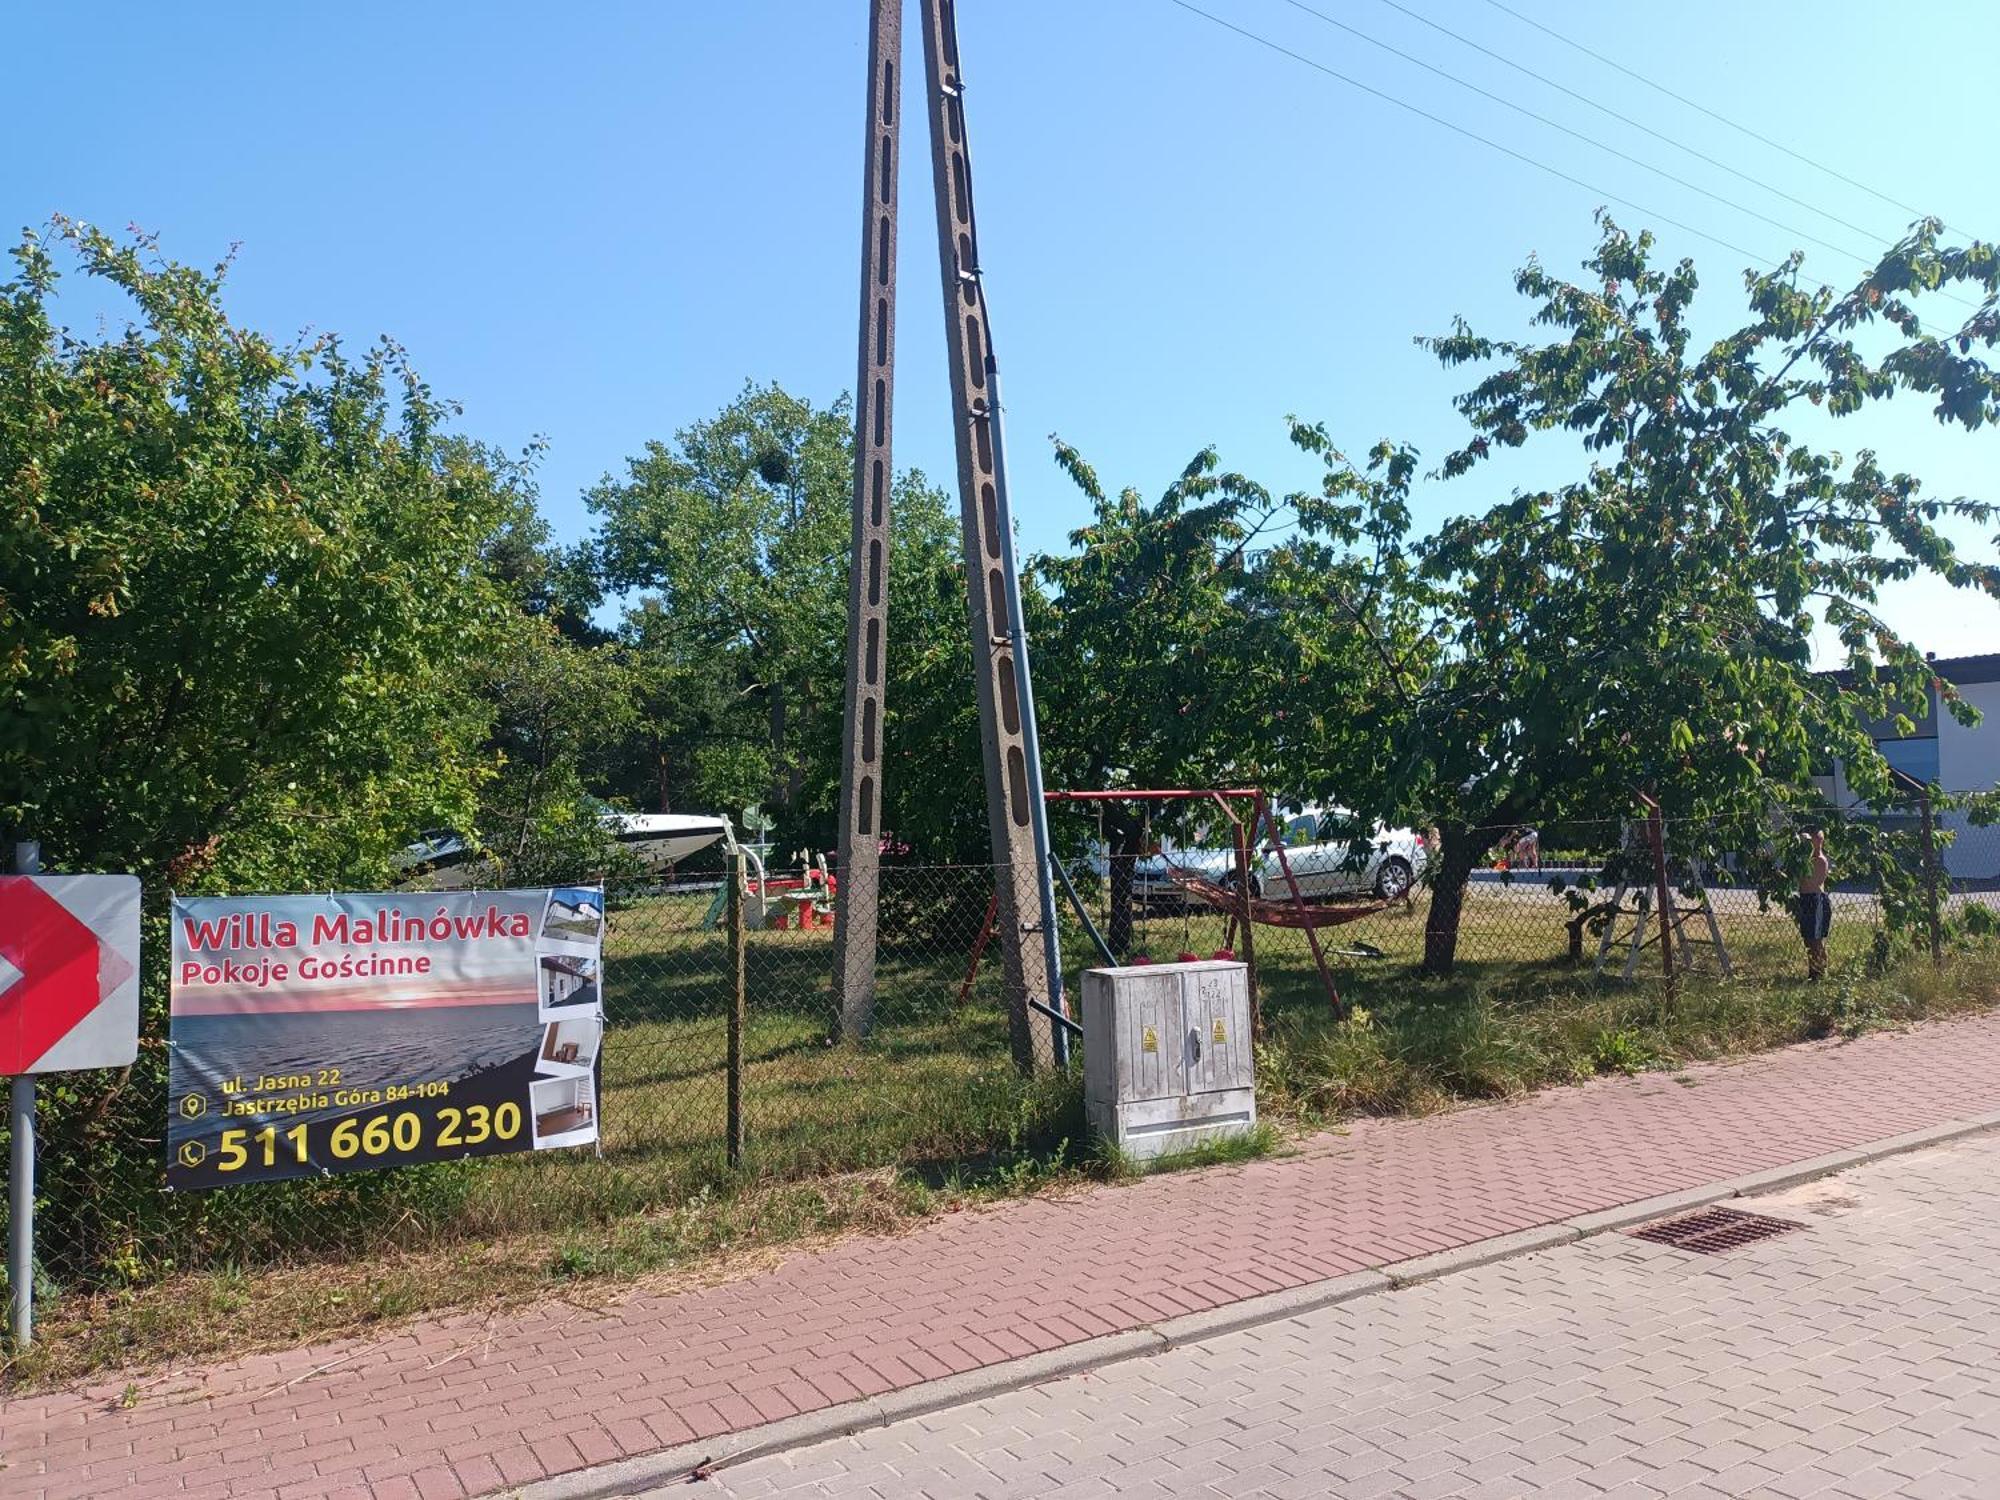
column 1167, row 1057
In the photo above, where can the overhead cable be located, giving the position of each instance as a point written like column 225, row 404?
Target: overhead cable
column 1472, row 135
column 1638, row 125
column 1603, row 193
column 1589, row 140
column 1716, row 115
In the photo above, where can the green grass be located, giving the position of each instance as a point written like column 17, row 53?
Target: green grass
column 931, row 1112
column 1412, row 1045
column 1118, row 1165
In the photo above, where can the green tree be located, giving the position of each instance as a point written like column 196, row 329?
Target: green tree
column 547, row 580
column 562, row 694
column 737, row 533
column 736, row 538
column 1171, row 651
column 246, row 611
column 933, row 807
column 559, row 707
column 699, row 742
column 1649, row 625
column 242, row 600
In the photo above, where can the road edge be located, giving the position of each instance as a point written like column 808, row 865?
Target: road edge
column 686, row 1461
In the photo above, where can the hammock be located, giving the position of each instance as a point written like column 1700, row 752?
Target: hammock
column 1269, row 913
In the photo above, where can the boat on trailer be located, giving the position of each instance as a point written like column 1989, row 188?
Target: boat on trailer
column 443, row 860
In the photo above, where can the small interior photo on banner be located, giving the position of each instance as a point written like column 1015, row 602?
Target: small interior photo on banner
column 315, row 1034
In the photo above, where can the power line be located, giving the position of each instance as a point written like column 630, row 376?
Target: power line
column 1605, row 109
column 1589, row 140
column 1541, row 166
column 1472, row 135
column 1704, row 109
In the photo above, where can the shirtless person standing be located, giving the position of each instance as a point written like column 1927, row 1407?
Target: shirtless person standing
column 1815, row 905
column 1528, row 849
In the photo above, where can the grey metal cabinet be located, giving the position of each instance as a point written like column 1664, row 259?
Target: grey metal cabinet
column 1167, row 1056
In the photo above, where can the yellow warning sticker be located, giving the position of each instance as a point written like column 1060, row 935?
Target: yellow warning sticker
column 1149, row 1040
column 1219, row 1035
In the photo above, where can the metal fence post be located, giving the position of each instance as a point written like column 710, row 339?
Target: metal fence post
column 1656, row 835
column 1932, row 908
column 21, row 1174
column 1243, row 915
column 737, row 1007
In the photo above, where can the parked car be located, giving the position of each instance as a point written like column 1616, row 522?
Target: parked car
column 1332, row 853
column 1151, row 884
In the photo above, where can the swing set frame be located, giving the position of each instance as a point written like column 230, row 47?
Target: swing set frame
column 1242, row 924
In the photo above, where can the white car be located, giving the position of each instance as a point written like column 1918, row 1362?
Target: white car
column 444, row 860
column 1151, row 884
column 1331, row 853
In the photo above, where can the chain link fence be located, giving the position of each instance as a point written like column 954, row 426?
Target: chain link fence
column 933, row 1089
column 1579, row 896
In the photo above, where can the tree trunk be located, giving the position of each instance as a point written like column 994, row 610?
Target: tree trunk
column 1579, row 923
column 1128, row 840
column 795, row 771
column 1462, row 850
column 780, row 782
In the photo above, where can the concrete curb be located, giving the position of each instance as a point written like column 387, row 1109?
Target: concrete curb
column 634, row 1476
column 1642, row 1209
column 1272, row 1307
column 1479, row 1253
column 1841, row 1161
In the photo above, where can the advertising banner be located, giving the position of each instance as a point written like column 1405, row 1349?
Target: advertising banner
column 334, row 1033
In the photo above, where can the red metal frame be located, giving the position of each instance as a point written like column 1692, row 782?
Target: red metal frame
column 979, row 946
column 1222, row 796
column 1157, row 794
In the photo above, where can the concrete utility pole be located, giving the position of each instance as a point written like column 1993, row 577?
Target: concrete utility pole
column 1025, row 926
column 1012, row 806
column 868, row 568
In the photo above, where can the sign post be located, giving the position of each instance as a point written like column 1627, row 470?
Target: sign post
column 21, row 1211
column 69, row 999
column 21, row 1169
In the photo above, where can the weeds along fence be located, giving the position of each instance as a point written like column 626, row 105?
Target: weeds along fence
column 933, row 1089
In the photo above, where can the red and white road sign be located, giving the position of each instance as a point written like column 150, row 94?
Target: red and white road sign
column 69, row 972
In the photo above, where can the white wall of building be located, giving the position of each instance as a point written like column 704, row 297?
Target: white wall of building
column 1969, row 761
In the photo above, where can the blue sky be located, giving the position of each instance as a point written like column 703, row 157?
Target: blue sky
column 595, row 222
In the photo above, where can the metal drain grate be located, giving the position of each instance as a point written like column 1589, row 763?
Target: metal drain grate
column 1713, row 1230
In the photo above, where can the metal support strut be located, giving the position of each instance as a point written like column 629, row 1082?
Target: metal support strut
column 1017, row 631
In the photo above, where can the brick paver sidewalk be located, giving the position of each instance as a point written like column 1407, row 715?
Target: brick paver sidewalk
column 1853, row 1360
column 467, row 1406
